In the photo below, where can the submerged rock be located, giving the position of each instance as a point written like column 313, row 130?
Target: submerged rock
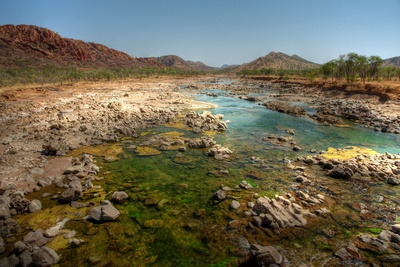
column 119, row 197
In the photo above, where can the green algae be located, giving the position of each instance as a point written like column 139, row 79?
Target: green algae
column 348, row 152
column 374, row 230
column 146, row 151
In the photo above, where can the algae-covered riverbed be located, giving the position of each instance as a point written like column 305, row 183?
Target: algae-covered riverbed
column 172, row 219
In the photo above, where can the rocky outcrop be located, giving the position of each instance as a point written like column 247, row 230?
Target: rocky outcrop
column 27, row 41
column 360, row 111
column 205, row 122
column 384, row 167
column 279, row 213
column 32, row 251
column 284, row 107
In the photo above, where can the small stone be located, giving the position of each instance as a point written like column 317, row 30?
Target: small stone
column 70, row 234
column 220, row 195
column 119, row 197
column 296, row 148
column 78, row 205
column 75, row 242
column 235, row 204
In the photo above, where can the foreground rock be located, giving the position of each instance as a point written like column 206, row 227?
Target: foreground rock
column 105, row 212
column 267, row 256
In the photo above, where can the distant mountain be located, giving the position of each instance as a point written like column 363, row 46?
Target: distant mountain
column 394, row 61
column 226, row 66
column 278, row 60
column 179, row 63
column 26, row 44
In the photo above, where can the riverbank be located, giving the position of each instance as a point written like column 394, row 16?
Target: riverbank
column 41, row 124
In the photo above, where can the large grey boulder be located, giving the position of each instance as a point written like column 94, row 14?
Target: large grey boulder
column 45, row 257
column 35, row 206
column 105, row 212
column 4, row 211
column 266, row 255
column 25, row 259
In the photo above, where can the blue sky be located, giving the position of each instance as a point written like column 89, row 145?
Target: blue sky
column 219, row 32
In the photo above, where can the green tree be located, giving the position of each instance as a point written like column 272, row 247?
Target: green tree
column 362, row 67
column 375, row 62
column 328, row 70
column 350, row 67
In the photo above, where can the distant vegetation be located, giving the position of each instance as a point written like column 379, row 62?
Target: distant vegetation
column 353, row 67
column 349, row 68
column 61, row 75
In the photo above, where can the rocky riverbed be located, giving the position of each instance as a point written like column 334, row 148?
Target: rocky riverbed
column 42, row 125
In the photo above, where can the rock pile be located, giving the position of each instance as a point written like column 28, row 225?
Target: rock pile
column 386, row 241
column 205, row 122
column 381, row 167
column 32, row 252
column 359, row 111
column 279, row 213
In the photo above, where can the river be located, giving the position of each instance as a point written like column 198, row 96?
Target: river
column 171, row 219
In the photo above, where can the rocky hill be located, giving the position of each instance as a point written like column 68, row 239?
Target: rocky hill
column 26, row 44
column 394, row 61
column 278, row 60
column 179, row 63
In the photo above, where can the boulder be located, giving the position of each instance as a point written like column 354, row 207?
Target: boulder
column 35, row 206
column 266, row 255
column 45, row 257
column 69, row 195
column 235, row 204
column 393, row 180
column 396, row 228
column 25, row 259
column 220, row 195
column 119, row 197
column 104, row 213
column 20, row 247
column 4, row 211
column 36, row 238
column 338, row 172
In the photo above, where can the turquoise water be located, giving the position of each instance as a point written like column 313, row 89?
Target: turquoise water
column 251, row 122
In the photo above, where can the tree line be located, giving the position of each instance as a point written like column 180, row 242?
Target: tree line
column 353, row 67
column 350, row 68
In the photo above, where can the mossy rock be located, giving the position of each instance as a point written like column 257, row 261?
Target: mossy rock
column 146, row 151
column 108, row 151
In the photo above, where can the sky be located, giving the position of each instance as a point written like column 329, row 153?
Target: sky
column 219, row 32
